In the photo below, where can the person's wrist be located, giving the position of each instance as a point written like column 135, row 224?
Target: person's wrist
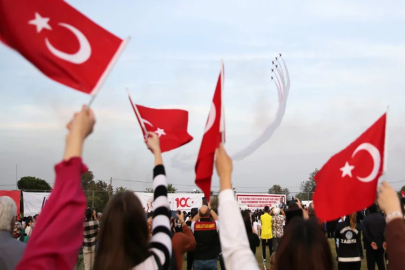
column 75, row 135
column 394, row 215
column 393, row 209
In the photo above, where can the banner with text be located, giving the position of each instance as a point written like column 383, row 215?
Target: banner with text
column 259, row 201
column 34, row 202
column 182, row 201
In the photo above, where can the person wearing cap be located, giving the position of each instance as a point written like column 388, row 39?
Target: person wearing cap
column 278, row 230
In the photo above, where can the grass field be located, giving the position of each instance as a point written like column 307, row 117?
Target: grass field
column 259, row 258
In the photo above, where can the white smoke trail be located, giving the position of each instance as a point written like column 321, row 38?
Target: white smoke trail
column 266, row 135
column 186, row 163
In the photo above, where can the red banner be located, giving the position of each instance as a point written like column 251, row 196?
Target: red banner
column 13, row 194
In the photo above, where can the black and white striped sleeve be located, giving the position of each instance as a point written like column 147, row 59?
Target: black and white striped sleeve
column 161, row 242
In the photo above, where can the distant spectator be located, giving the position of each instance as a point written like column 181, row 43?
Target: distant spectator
column 253, row 238
column 28, row 226
column 373, row 236
column 89, row 242
column 205, row 231
column 348, row 244
column 11, row 250
column 190, row 255
column 182, row 242
column 267, row 233
column 278, row 229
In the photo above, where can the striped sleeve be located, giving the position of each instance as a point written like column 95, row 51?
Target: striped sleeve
column 161, row 242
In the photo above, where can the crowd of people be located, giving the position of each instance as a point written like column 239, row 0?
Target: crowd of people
column 124, row 237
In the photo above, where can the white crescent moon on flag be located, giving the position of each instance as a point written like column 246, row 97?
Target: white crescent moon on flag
column 211, row 118
column 81, row 56
column 375, row 154
column 146, row 122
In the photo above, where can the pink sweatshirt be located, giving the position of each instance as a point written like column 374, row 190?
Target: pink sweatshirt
column 58, row 234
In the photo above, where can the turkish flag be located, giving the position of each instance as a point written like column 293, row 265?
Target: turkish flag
column 213, row 135
column 402, row 194
column 348, row 181
column 169, row 124
column 60, row 41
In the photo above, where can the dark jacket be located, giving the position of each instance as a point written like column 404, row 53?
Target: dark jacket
column 207, row 239
column 348, row 242
column 373, row 230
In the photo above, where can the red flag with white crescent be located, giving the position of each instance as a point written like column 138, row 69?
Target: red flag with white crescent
column 347, row 183
column 60, row 41
column 169, row 124
column 213, row 135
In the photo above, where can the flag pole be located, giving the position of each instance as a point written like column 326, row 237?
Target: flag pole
column 138, row 115
column 222, row 124
column 386, row 144
column 107, row 71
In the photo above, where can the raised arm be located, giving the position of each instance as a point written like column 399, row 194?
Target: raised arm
column 212, row 212
column 161, row 243
column 62, row 215
column 395, row 229
column 236, row 250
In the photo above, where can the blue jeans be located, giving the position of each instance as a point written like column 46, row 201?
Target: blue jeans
column 205, row 264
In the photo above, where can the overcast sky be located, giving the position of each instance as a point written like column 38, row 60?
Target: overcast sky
column 346, row 62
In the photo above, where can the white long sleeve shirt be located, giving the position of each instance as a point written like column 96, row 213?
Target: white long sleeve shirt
column 233, row 236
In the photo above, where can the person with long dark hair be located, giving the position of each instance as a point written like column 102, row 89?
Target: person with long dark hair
column 124, row 239
column 303, row 247
column 348, row 244
column 253, row 238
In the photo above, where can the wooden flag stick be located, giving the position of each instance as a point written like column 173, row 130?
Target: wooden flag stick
column 138, row 116
column 386, row 144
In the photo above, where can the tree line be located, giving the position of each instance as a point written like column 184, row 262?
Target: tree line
column 98, row 192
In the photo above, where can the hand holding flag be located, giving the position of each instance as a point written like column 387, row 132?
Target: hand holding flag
column 169, row 124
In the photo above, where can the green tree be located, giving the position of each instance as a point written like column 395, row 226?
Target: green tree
column 33, row 183
column 171, row 189
column 277, row 189
column 308, row 187
column 97, row 192
column 120, row 189
column 149, row 190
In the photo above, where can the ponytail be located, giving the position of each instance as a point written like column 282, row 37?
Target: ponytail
column 352, row 218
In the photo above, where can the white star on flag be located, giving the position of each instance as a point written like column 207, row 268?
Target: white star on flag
column 40, row 22
column 160, row 132
column 347, row 170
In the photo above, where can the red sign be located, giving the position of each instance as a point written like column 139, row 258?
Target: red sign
column 259, row 201
column 13, row 194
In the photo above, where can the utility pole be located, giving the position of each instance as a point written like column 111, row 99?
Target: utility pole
column 110, row 193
